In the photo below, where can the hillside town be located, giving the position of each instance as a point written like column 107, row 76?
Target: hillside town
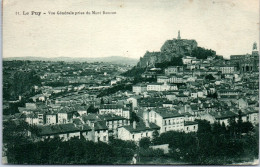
column 97, row 102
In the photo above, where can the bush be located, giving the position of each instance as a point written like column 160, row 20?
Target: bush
column 145, row 142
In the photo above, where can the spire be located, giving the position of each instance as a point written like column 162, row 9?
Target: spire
column 179, row 35
column 254, row 46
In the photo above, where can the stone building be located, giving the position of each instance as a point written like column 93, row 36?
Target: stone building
column 247, row 62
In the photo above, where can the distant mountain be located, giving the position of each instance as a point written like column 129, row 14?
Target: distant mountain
column 110, row 59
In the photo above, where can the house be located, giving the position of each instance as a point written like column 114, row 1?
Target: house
column 253, row 117
column 182, row 97
column 137, row 130
column 188, row 59
column 228, row 92
column 51, row 118
column 32, row 119
column 63, row 131
column 41, row 118
column 99, row 132
column 161, row 87
column 176, row 79
column 242, row 103
column 133, row 100
column 113, row 122
column 167, row 119
column 173, row 70
column 139, row 88
column 31, row 106
column 228, row 69
column 194, row 94
column 168, row 104
column 64, row 117
column 221, row 117
column 115, row 109
column 162, row 79
column 171, row 95
column 38, row 97
column 190, row 126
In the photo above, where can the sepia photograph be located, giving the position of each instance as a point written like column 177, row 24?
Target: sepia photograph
column 130, row 82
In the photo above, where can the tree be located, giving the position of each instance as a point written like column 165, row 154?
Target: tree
column 145, row 142
column 155, row 134
column 203, row 126
column 92, row 109
column 209, row 77
column 133, row 117
column 213, row 95
column 247, row 127
column 202, row 53
column 25, row 85
column 102, row 101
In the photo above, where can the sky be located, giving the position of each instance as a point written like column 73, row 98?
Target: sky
column 227, row 26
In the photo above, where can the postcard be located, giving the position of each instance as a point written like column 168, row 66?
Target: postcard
column 130, row 82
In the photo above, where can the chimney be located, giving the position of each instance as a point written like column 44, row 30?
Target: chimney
column 134, row 124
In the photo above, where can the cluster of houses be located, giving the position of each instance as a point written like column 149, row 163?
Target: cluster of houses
column 211, row 89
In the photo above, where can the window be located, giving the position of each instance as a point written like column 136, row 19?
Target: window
column 193, row 127
column 146, row 134
column 133, row 136
column 187, row 128
column 165, row 129
column 165, row 122
column 104, row 138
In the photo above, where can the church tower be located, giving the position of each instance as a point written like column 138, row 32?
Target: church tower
column 255, row 51
column 254, row 46
column 179, row 35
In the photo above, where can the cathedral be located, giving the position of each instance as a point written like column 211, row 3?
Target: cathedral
column 248, row 62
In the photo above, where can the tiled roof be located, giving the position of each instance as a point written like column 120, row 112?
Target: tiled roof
column 140, row 127
column 166, row 113
column 186, row 123
column 90, row 117
column 110, row 117
column 223, row 115
column 110, row 106
column 100, row 125
column 57, row 129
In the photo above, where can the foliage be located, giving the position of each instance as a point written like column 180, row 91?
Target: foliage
column 209, row 77
column 203, row 126
column 92, row 109
column 73, row 151
column 145, row 154
column 155, row 135
column 20, row 84
column 211, row 145
column 134, row 117
column 114, row 89
column 214, row 145
column 135, row 71
column 145, row 142
column 202, row 53
column 175, row 61
column 213, row 95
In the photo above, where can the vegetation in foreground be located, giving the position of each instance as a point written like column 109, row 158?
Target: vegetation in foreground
column 215, row 144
